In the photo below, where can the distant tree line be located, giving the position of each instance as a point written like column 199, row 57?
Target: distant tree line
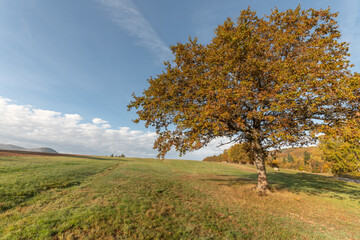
column 340, row 154
column 306, row 162
column 122, row 155
column 341, row 148
column 235, row 154
column 238, row 154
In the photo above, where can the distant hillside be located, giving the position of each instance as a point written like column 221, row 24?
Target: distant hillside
column 298, row 153
column 43, row 149
column 17, row 148
column 11, row 147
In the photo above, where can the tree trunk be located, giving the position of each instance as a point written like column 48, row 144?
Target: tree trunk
column 262, row 186
column 260, row 155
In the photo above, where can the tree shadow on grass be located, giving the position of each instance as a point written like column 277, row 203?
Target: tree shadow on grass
column 314, row 185
column 310, row 184
column 231, row 181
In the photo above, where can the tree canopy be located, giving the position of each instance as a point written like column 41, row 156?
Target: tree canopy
column 266, row 81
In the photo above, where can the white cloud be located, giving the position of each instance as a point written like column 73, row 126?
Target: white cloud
column 106, row 126
column 30, row 127
column 126, row 15
column 98, row 121
column 101, row 122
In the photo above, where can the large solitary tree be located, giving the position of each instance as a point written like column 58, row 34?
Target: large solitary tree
column 265, row 81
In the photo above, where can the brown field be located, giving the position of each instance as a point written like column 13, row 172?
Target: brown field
column 12, row 153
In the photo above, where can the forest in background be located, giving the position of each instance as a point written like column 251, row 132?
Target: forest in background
column 310, row 159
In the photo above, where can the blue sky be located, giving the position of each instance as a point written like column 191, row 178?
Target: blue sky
column 83, row 59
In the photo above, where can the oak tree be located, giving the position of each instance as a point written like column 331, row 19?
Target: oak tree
column 265, row 81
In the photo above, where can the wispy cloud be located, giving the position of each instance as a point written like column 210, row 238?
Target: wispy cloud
column 127, row 16
column 30, row 127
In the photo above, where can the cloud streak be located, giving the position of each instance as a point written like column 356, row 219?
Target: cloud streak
column 126, row 15
column 30, row 127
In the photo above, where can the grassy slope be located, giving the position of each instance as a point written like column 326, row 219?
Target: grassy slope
column 107, row 198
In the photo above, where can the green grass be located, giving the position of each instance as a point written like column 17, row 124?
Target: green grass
column 109, row 198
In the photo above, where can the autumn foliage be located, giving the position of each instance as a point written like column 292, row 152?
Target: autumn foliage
column 265, row 81
column 238, row 153
column 341, row 147
column 309, row 159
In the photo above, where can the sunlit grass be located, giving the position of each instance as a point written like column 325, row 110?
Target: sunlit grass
column 107, row 198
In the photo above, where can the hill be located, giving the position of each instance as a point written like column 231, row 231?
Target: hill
column 298, row 153
column 88, row 197
column 11, row 147
column 17, row 148
column 43, row 150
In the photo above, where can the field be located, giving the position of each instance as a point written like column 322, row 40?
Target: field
column 79, row 197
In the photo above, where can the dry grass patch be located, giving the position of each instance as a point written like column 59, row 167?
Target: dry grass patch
column 319, row 212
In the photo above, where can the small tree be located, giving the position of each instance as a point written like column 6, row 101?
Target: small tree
column 225, row 157
column 274, row 163
column 239, row 154
column 290, row 158
column 260, row 81
column 306, row 157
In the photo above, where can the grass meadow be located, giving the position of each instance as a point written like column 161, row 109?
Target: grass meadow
column 132, row 198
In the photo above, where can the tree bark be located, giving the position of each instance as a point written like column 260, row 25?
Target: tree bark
column 262, row 186
column 260, row 155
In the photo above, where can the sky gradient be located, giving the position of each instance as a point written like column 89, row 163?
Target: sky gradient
column 68, row 68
